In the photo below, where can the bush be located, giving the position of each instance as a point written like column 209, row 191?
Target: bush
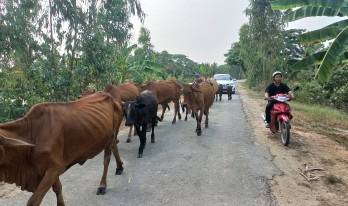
column 311, row 93
column 340, row 98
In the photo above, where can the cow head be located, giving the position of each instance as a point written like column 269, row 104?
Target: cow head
column 135, row 112
column 129, row 112
column 188, row 92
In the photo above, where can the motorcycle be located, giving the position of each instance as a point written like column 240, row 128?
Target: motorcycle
column 280, row 117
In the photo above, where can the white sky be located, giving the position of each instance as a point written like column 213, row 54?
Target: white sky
column 203, row 30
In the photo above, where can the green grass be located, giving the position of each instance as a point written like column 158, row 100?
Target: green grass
column 332, row 179
column 320, row 112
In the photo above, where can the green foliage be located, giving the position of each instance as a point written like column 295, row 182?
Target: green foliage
column 337, row 31
column 33, row 66
column 333, row 93
column 311, row 93
column 340, row 97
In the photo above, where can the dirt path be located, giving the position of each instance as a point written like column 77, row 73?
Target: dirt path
column 307, row 150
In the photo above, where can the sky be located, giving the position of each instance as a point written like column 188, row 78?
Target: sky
column 203, row 30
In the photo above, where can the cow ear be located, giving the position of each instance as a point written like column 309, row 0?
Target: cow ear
column 9, row 142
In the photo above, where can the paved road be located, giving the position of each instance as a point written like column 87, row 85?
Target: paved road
column 221, row 167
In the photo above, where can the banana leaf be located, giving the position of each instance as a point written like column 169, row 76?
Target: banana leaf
column 320, row 35
column 288, row 4
column 310, row 11
column 323, row 34
column 315, row 59
column 332, row 57
column 308, row 61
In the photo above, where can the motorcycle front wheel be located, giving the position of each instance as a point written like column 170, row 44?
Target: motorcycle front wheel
column 284, row 132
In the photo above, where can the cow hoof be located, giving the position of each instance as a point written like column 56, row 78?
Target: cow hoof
column 140, row 155
column 128, row 140
column 179, row 116
column 185, row 118
column 206, row 126
column 119, row 171
column 199, row 133
column 101, row 191
column 173, row 122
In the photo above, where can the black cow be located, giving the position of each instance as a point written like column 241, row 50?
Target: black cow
column 141, row 112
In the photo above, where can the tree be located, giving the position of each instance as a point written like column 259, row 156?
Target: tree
column 337, row 32
column 233, row 56
column 146, row 49
column 261, row 42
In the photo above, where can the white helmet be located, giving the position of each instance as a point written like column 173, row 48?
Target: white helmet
column 277, row 72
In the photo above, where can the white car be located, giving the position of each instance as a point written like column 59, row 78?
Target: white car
column 225, row 80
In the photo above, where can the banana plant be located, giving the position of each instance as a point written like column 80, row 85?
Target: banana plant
column 337, row 32
column 135, row 70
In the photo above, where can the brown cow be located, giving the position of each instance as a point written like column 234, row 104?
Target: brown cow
column 122, row 93
column 36, row 149
column 229, row 92
column 218, row 93
column 165, row 92
column 199, row 97
column 214, row 83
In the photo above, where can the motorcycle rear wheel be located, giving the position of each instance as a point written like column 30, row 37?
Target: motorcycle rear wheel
column 284, row 132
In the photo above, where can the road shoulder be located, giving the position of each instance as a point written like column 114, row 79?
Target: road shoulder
column 306, row 163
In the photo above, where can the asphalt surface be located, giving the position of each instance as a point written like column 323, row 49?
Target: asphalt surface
column 221, row 167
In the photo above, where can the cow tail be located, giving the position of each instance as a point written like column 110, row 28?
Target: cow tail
column 114, row 132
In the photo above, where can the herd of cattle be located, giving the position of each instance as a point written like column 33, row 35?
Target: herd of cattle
column 36, row 149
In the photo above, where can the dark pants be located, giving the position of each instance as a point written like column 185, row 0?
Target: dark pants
column 269, row 107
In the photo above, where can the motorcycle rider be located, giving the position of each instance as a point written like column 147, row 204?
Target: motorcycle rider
column 277, row 87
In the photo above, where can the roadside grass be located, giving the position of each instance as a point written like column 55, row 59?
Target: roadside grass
column 321, row 114
column 333, row 179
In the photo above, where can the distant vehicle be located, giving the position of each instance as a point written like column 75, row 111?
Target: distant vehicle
column 225, row 80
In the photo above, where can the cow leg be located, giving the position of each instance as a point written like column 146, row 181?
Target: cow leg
column 220, row 96
column 186, row 114
column 216, row 97
column 46, row 183
column 206, row 118
column 129, row 139
column 142, row 138
column 153, row 123
column 163, row 110
column 119, row 163
column 57, row 188
column 107, row 157
column 178, row 109
column 193, row 114
column 199, row 120
column 182, row 107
